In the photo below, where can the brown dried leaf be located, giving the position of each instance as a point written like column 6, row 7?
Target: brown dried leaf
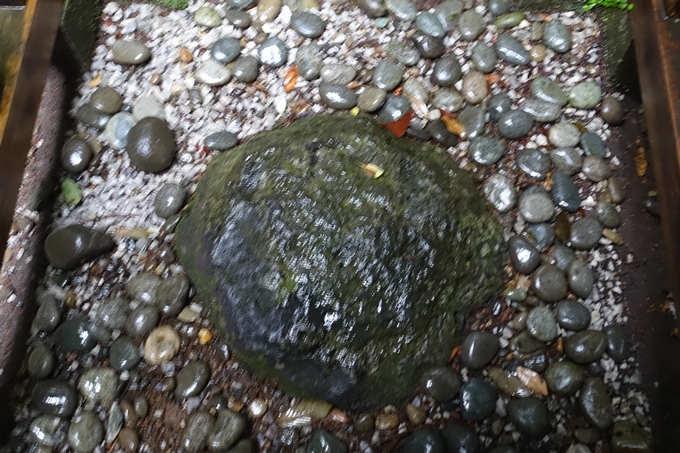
column 640, row 161
column 452, row 123
column 291, row 78
column 563, row 227
column 96, row 80
column 133, row 233
column 532, row 380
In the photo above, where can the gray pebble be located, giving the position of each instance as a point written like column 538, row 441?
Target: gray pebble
column 564, row 192
column 371, row 99
column 534, row 163
column 307, row 24
column 268, row 10
column 113, row 312
column 76, row 155
column 530, row 416
column 477, row 400
column 142, row 320
column 536, row 207
column 572, row 315
column 227, row 430
column 515, row 123
column 245, row 68
column 218, row 141
column 541, row 324
column 484, row 57
column 542, row 111
column 549, row 283
column 563, row 257
column 40, row 362
column 567, row 160
column 498, row 105
column 213, row 73
column 192, row 379
column 225, row 50
column 446, row 71
column 88, row 115
column 106, row 100
column 387, row 75
column 196, row 432
column 324, row 442
column 585, row 233
column 592, row 144
column 172, row 294
column 564, row 378
column 118, row 128
column 146, row 106
column 557, row 36
column 511, row 50
column 241, row 4
column 71, row 246
column 564, row 135
column 470, row 25
column 394, row 108
column 338, row 97
column 143, row 287
column 586, row 346
column 338, row 74
column 151, row 145
column 479, row 349
column 617, row 343
column 402, row 9
column 498, row 7
column 169, row 200
column 430, row 24
column 585, row 95
column 474, row 119
column 424, row 440
column 616, row 189
column 475, row 87
column 448, row 13
column 55, row 397
column 404, row 52
column 309, row 61
column 581, row 279
column 47, row 430
column 595, row 403
column 441, row 383
column 206, row 16
column 595, row 168
column 273, row 52
column 99, row 384
column 48, row 315
column 448, row 99
column 124, row 354
column 75, row 335
column 238, row 18
column 458, row 437
column 373, row 8
column 414, row 88
column 524, row 256
column 607, row 214
column 437, row 129
column 86, row 432
column 486, row 150
column 428, row 46
column 548, row 90
column 500, row 192
column 130, row 51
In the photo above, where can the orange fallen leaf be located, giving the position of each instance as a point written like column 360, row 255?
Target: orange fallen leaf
column 291, row 78
column 399, row 127
column 398, row 91
column 454, row 352
column 492, row 78
column 640, row 161
column 532, row 380
column 452, row 123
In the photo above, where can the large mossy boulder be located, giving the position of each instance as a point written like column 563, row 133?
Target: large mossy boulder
column 337, row 284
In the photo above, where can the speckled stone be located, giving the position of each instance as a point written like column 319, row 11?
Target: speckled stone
column 86, row 432
column 225, row 50
column 404, row 52
column 206, row 16
column 106, row 100
column 540, row 234
column 564, row 378
column 542, row 111
column 470, row 25
column 273, row 52
column 448, row 99
column 595, row 168
column 585, row 95
column 475, row 87
column 113, row 312
column 567, row 160
column 387, row 75
column 536, row 207
column 484, row 57
column 500, row 192
column 534, row 163
column 309, row 61
column 338, row 74
column 564, row 135
column 515, row 124
column 477, row 400
column 607, row 214
column 213, row 73
column 592, row 144
column 99, row 384
column 371, row 99
column 511, row 50
column 307, row 24
column 124, row 354
column 428, row 46
column 541, row 324
column 548, row 90
column 549, row 283
column 245, row 68
column 585, row 233
column 564, row 192
column 557, row 36
column 446, row 71
column 402, row 9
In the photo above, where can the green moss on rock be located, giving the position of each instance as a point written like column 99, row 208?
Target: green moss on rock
column 338, row 285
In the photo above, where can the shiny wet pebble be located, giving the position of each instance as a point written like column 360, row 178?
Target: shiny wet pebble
column 549, row 283
column 195, row 434
column 130, row 51
column 486, row 150
column 524, row 256
column 124, row 354
column 572, row 315
column 307, row 24
column 86, row 432
column 536, row 207
column 548, row 90
column 192, row 379
column 99, row 384
column 161, row 345
column 585, row 233
column 581, row 278
column 459, row 437
column 484, row 57
column 220, row 141
column 424, row 441
column 479, row 349
column 169, row 200
column 478, row 400
column 557, row 36
column 76, row 155
column 151, row 145
column 441, row 383
column 446, row 71
column 515, row 123
column 245, row 68
column 617, row 342
column 338, row 74
column 41, row 362
column 564, row 135
column 595, row 403
column 273, row 52
column 534, row 163
column 585, row 95
column 586, row 346
column 106, row 100
column 530, row 416
column 309, row 61
column 371, row 99
column 595, row 168
column 592, row 144
column 500, row 192
column 541, row 324
column 470, row 25
column 225, row 50
column 387, row 75
column 611, row 111
column 511, row 50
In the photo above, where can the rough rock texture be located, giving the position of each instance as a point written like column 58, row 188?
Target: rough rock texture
column 337, row 284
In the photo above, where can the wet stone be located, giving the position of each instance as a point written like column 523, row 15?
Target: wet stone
column 394, row 108
column 515, row 123
column 387, row 75
column 477, row 400
column 548, row 90
column 371, row 99
column 338, row 74
column 536, row 207
column 124, row 354
column 563, row 257
column 498, row 7
column 147, row 106
column 143, row 287
column 245, row 69
column 586, row 346
column 652, row 205
column 49, row 314
column 128, row 440
column 541, row 111
column 541, row 324
column 448, row 99
column 627, row 437
column 142, row 320
column 414, row 88
column 572, row 315
column 446, row 71
column 106, row 100
column 557, row 36
column 538, row 53
column 567, row 160
column 76, row 155
column 192, row 379
column 585, row 95
column 151, row 145
column 498, row 105
column 617, row 342
column 428, row 46
column 220, row 141
column 564, row 192
column 585, row 233
column 307, row 24
column 88, row 115
column 484, row 57
column 470, row 25
column 402, row 9
column 130, row 51
column 511, row 50
column 169, row 200
column 273, row 52
column 424, row 441
column 581, row 279
column 592, row 144
column 595, row 168
column 196, row 432
column 500, row 192
column 207, row 17
column 40, row 362
column 364, row 423
column 441, row 383
column 479, row 349
column 437, row 129
column 475, row 87
column 486, row 150
column 418, row 133
column 228, row 428
column 98, row 384
column 524, row 343
column 113, row 312
column 404, row 52
column 460, row 438
column 55, row 397
column 564, row 378
column 524, row 256
column 595, row 403
column 611, row 111
column 47, row 430
column 238, row 18
column 448, row 13
column 309, row 61
column 75, row 335
column 373, row 8
column 172, row 294
column 268, row 10
column 86, row 432
column 429, row 23
column 542, row 235
column 530, row 416
column 549, row 283
column 213, row 73
column 534, row 163
column 473, row 119
column 508, row 20
column 324, row 442
column 564, row 135
column 225, row 50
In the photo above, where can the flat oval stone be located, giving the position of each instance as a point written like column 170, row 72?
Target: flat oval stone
column 564, row 135
column 474, row 119
column 207, row 17
column 373, row 8
column 394, row 108
column 371, row 99
column 511, row 50
column 428, row 46
column 446, row 71
column 118, row 128
column 273, row 52
column 75, row 335
column 86, row 432
column 524, row 256
column 586, row 346
column 607, row 214
column 564, row 192
column 172, row 294
column 424, row 441
column 429, row 23
column 404, row 52
column 309, row 61
column 557, row 36
column 564, row 378
column 595, row 403
column 542, row 111
column 241, row 4
column 225, row 50
column 498, row 7
column 530, row 416
column 541, row 324
column 47, row 430
column 414, row 88
column 192, row 379
column 627, row 436
column 536, row 207
column 534, row 163
column 477, row 400
column 196, row 432
column 595, row 168
column 143, row 287
column 402, row 9
column 113, row 312
column 387, row 75
column 592, row 144
column 169, row 200
column 508, row 20
column 268, row 10
column 213, row 73
column 338, row 74
column 563, row 256
column 124, row 354
column 106, row 100
column 617, row 343
column 470, row 25
column 484, row 57
column 448, row 13
column 499, row 105
column 238, row 18
column 148, row 106
column 548, row 90
column 130, row 51
column 88, row 115
column 98, row 384
column 55, row 397
column 40, row 362
column 69, row 247
column 585, row 233
column 448, row 99
column 220, row 141
column 460, row 438
column 479, row 349
column 439, row 132
column 441, row 383
column 475, row 88
column 228, row 429
column 549, row 283
column 142, row 320
column 567, row 160
column 515, row 124
column 585, row 95
column 572, row 315
column 151, row 145
column 486, row 150
column 542, row 235
column 245, row 68
column 76, row 155
column 307, row 24
column 162, row 345
column 616, row 189
column 581, row 279
column 500, row 192
column 611, row 111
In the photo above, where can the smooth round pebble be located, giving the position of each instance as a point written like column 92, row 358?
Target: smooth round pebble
column 572, row 315
column 440, row 133
column 515, row 123
column 99, row 384
column 148, row 106
column 143, row 287
column 403, row 10
column 448, row 99
column 567, row 160
column 206, row 16
column 106, row 100
column 595, row 403
column 549, row 283
column 128, row 440
column 394, row 108
column 581, row 279
column 309, row 61
column 40, row 362
column 75, row 335
column 225, row 50
column 195, row 434
column 585, row 233
column 428, row 46
column 536, row 207
column 541, row 324
column 268, row 10
column 338, row 74
column 76, row 155
column 169, row 200
column 191, row 379
column 511, row 50
column 564, row 192
column 238, row 18
column 477, row 400
column 541, row 111
column 273, row 52
column 113, row 312
column 563, row 257
column 117, row 129
column 479, row 349
column 220, row 141
column 484, row 57
column 586, row 346
column 245, row 68
column 564, row 135
column 441, row 383
column 498, row 7
column 459, row 437
column 592, row 144
column 387, row 75
column 86, row 432
column 534, row 163
column 307, row 24
column 524, row 257
column 371, row 99
column 617, row 343
column 338, row 97
column 557, row 36
column 142, row 320
column 161, row 345
column 530, row 416
column 595, row 168
column 446, row 71
column 213, row 73
column 499, row 105
column 548, row 90
column 470, row 25
column 585, row 95
column 499, row 192
column 448, row 12
column 151, row 145
column 424, row 441
column 429, row 23
column 486, row 150
column 130, row 51
column 124, row 354
column 475, row 88
column 611, row 111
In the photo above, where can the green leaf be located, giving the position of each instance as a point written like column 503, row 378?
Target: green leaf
column 71, row 192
